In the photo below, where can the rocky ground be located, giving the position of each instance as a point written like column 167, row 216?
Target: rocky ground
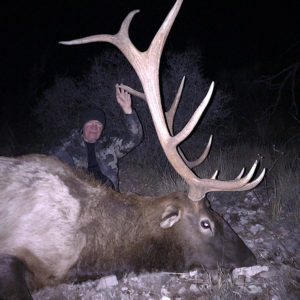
column 275, row 244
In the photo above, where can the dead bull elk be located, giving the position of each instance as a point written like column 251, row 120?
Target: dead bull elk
column 57, row 226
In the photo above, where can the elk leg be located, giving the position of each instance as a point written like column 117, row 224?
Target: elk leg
column 13, row 274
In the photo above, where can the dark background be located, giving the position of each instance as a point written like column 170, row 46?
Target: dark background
column 232, row 35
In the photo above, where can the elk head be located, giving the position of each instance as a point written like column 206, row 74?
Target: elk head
column 146, row 65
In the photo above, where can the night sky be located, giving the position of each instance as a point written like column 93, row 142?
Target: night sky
column 230, row 34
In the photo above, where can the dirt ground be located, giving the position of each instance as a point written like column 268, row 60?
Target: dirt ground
column 275, row 244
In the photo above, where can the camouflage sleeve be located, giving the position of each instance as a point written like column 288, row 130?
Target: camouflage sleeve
column 131, row 137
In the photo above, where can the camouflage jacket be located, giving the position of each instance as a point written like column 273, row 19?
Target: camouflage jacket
column 108, row 149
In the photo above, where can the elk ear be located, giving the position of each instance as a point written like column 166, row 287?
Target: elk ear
column 170, row 216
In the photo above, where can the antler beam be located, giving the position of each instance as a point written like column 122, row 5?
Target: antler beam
column 146, row 64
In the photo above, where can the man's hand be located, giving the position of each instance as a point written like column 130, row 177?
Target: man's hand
column 124, row 99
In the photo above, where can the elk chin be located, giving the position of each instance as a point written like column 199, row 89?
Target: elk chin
column 245, row 259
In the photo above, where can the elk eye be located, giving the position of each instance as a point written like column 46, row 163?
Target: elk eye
column 205, row 224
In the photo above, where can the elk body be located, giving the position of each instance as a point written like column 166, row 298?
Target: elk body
column 57, row 225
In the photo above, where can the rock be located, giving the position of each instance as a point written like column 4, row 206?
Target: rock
column 253, row 289
column 193, row 273
column 244, row 221
column 249, row 271
column 164, row 292
column 165, row 298
column 124, row 289
column 107, row 282
column 194, row 288
column 255, row 228
column 268, row 274
column 184, row 275
column 182, row 290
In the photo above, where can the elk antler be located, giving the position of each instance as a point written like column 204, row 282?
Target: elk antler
column 146, row 65
column 170, row 119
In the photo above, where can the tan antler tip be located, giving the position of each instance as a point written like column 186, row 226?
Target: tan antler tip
column 250, row 173
column 65, row 43
column 214, row 176
column 241, row 174
column 253, row 183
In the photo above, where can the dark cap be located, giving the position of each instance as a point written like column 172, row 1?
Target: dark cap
column 93, row 113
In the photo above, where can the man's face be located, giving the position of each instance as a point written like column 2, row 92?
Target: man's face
column 92, row 131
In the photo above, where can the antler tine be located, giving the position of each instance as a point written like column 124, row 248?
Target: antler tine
column 202, row 186
column 158, row 42
column 170, row 114
column 133, row 91
column 253, row 183
column 170, row 120
column 215, row 174
column 197, row 162
column 241, row 174
column 185, row 132
column 121, row 40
